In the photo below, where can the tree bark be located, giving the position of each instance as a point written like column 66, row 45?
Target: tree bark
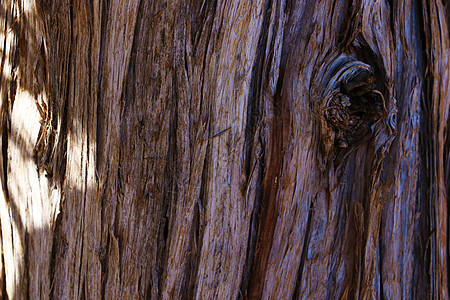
column 224, row 149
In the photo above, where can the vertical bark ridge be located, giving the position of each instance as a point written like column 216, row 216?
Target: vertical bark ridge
column 223, row 254
column 399, row 215
column 262, row 95
column 437, row 43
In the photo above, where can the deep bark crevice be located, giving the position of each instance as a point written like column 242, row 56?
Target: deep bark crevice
column 170, row 195
column 253, row 230
column 5, row 135
column 102, row 52
column 422, row 278
column 259, row 74
column 305, row 246
column 393, row 7
column 80, row 272
column 56, row 248
column 198, row 228
column 426, row 191
column 259, row 84
column 104, row 264
column 270, row 188
column 196, row 235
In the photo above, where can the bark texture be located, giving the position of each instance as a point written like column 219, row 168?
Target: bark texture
column 216, row 149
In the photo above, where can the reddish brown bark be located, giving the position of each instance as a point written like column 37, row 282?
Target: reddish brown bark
column 224, row 149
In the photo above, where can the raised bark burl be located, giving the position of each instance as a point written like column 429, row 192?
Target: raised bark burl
column 351, row 105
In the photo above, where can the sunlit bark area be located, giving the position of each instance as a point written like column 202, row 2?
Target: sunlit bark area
column 212, row 149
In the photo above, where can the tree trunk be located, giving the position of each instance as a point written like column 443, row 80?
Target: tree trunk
column 224, row 149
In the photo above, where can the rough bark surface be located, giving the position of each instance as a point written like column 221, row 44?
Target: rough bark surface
column 217, row 149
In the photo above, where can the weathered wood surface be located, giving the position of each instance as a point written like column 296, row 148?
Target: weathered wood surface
column 224, row 149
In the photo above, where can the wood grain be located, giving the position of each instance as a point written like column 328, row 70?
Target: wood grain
column 224, row 149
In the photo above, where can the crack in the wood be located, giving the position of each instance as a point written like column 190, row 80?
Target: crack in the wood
column 259, row 77
column 268, row 202
column 298, row 282
column 103, row 15
column 2, row 61
column 80, row 268
column 198, row 230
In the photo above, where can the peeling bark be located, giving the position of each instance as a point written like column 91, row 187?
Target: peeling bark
column 224, row 149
